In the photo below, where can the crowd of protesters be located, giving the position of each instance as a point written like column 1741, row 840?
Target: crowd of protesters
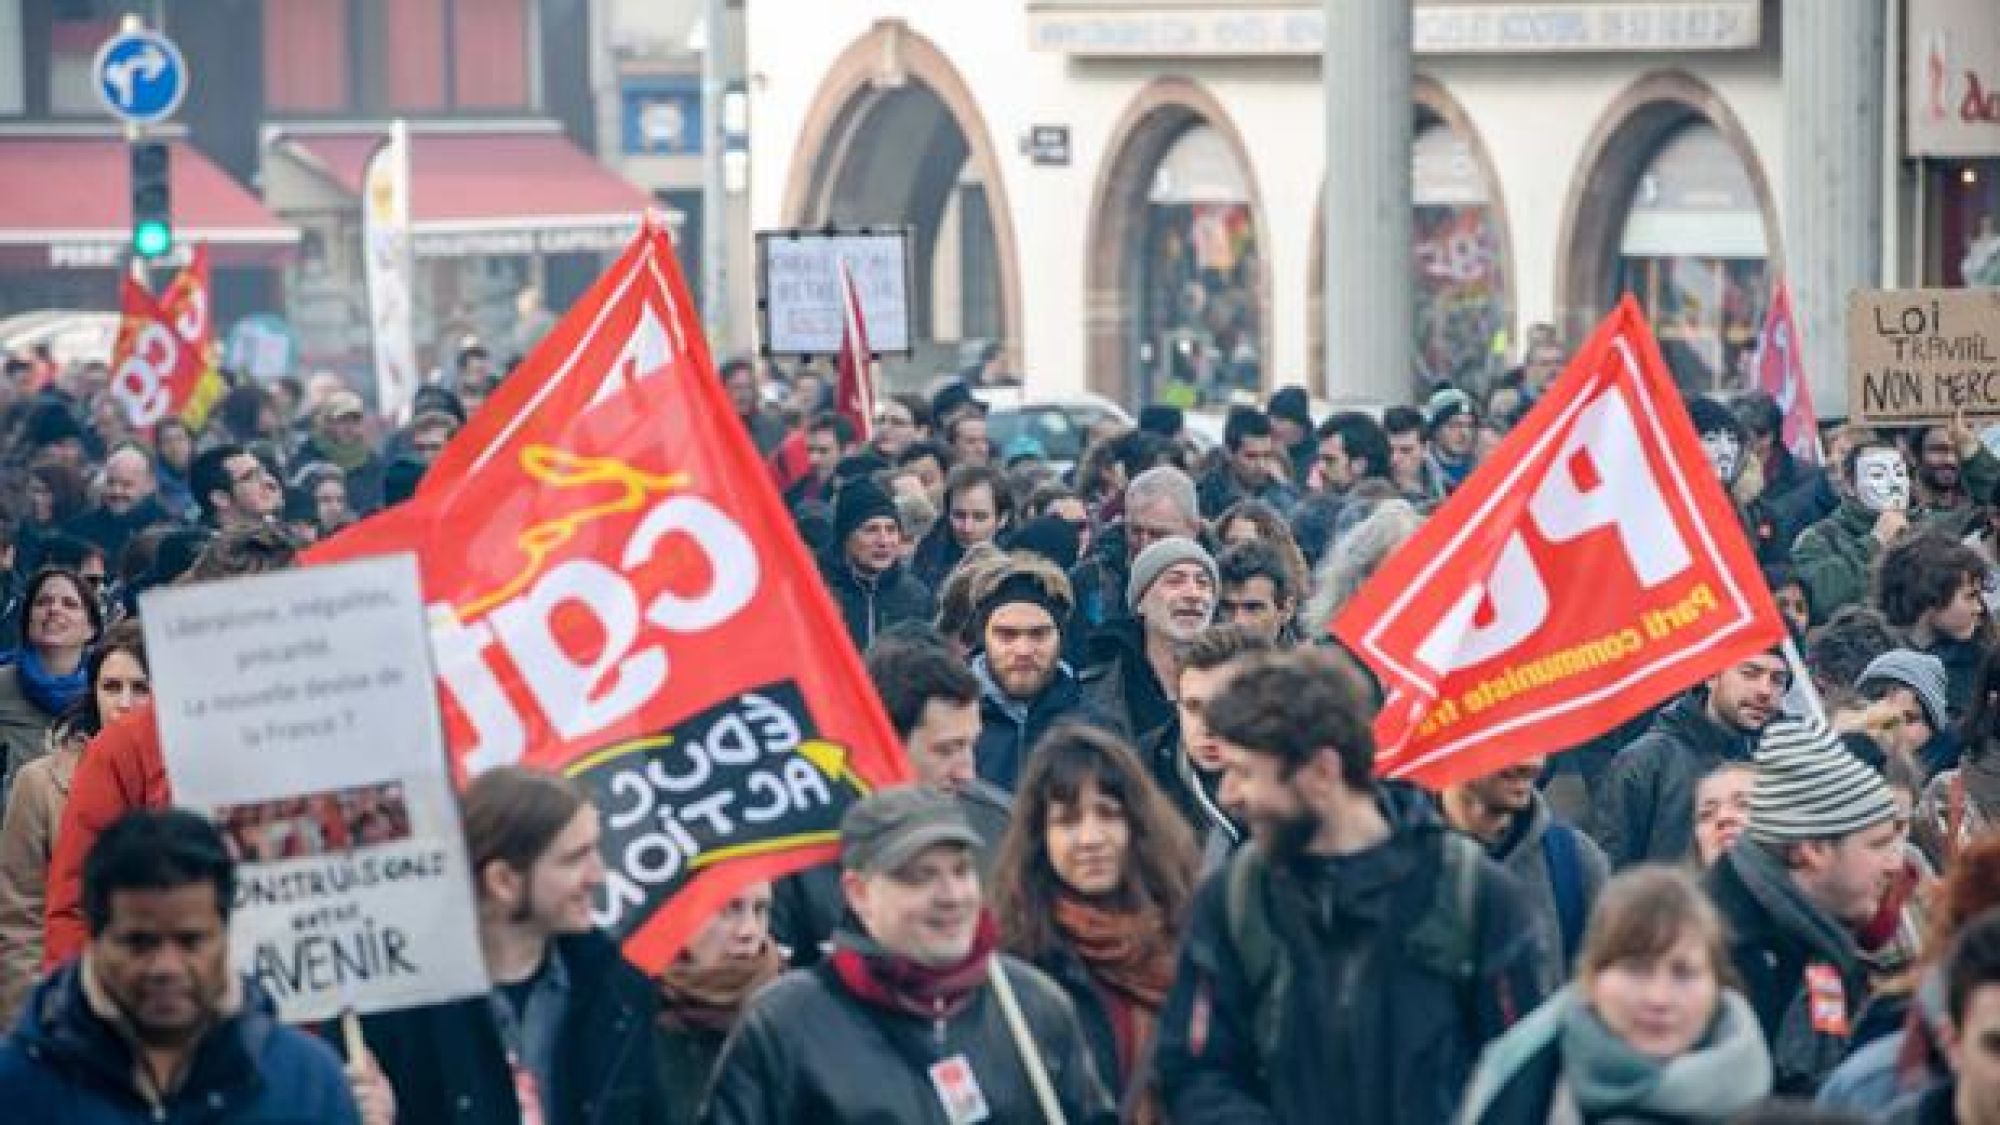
column 1146, row 869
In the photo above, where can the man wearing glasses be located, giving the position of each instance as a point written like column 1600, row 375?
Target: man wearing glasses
column 233, row 487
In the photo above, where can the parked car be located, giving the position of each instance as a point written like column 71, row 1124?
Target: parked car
column 1060, row 422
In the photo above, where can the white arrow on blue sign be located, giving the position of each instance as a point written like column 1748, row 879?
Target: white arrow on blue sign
column 141, row 77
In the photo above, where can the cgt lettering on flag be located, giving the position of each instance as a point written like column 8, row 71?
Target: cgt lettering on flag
column 1590, row 569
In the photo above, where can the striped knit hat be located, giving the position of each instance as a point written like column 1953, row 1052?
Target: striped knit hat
column 1809, row 788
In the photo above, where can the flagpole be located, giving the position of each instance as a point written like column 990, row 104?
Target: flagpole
column 1802, row 680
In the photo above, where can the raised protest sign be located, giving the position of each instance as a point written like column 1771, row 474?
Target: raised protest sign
column 1922, row 355
column 298, row 711
column 799, row 290
column 1590, row 569
column 621, row 595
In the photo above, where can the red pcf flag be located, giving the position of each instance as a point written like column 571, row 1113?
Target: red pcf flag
column 855, row 393
column 621, row 329
column 620, row 595
column 1781, row 374
column 155, row 371
column 1591, row 569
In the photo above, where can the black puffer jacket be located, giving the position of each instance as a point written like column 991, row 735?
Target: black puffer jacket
column 869, row 606
column 1366, row 1033
column 1119, row 683
column 1008, row 730
column 447, row 1065
column 1645, row 806
column 808, row 1050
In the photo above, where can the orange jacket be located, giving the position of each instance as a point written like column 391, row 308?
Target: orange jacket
column 121, row 770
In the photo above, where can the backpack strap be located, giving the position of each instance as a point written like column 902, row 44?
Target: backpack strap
column 1446, row 938
column 1559, row 854
column 1266, row 968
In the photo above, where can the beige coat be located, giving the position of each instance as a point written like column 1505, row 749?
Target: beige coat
column 27, row 840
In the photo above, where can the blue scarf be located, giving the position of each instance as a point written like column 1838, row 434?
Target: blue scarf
column 52, row 693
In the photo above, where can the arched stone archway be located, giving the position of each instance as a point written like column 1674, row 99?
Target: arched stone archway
column 1632, row 130
column 1160, row 115
column 1434, row 107
column 895, row 135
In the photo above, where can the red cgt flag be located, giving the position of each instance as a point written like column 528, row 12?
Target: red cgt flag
column 855, row 393
column 1781, row 373
column 156, row 367
column 619, row 594
column 621, row 329
column 187, row 306
column 1591, row 569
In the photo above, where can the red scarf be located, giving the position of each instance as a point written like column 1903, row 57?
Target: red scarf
column 901, row 985
column 1131, row 960
column 710, row 999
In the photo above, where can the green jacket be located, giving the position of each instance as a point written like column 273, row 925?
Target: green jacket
column 1832, row 559
column 1977, row 475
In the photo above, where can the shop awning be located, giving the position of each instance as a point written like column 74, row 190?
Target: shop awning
column 65, row 203
column 491, row 193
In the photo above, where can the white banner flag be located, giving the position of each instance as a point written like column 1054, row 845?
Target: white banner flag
column 385, row 239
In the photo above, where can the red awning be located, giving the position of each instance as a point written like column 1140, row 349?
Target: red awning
column 491, row 193
column 65, row 202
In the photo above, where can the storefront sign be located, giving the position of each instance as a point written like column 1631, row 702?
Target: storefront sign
column 1952, row 103
column 798, row 275
column 1098, row 28
column 1922, row 355
column 110, row 255
column 524, row 243
column 1048, row 145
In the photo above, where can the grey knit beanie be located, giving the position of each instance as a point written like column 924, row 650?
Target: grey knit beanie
column 1922, row 673
column 1154, row 560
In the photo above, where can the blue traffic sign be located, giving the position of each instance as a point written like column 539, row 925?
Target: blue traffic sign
column 141, row 77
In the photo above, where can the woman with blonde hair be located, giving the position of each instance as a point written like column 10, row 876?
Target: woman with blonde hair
column 1651, row 1030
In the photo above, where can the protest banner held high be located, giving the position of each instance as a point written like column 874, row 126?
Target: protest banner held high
column 622, row 328
column 1590, row 569
column 619, row 594
column 1781, row 374
column 160, row 366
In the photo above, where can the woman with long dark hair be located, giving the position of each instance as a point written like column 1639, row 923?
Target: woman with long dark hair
column 1093, row 885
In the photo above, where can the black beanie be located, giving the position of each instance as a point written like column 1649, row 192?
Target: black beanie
column 1054, row 539
column 1166, row 421
column 859, row 501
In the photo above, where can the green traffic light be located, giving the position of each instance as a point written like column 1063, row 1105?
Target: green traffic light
column 151, row 239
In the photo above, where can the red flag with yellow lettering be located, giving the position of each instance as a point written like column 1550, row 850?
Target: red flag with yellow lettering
column 1591, row 568
column 619, row 594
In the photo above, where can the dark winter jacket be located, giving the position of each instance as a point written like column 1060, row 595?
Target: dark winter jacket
column 1935, row 1106
column 1119, row 683
column 1645, row 806
column 1093, row 1017
column 1774, row 936
column 1098, row 582
column 686, row 1060
column 1527, row 855
column 935, row 557
column 870, row 605
column 809, row 1050
column 1366, row 1032
column 1219, row 490
column 806, row 907
column 447, row 1063
column 1832, row 559
column 1009, row 729
column 111, row 531
column 66, row 1062
column 1961, row 661
column 1796, row 496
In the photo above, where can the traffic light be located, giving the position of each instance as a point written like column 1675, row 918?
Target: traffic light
column 152, row 201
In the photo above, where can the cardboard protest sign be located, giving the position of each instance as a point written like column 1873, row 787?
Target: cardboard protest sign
column 621, row 596
column 297, row 710
column 1591, row 568
column 1922, row 355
